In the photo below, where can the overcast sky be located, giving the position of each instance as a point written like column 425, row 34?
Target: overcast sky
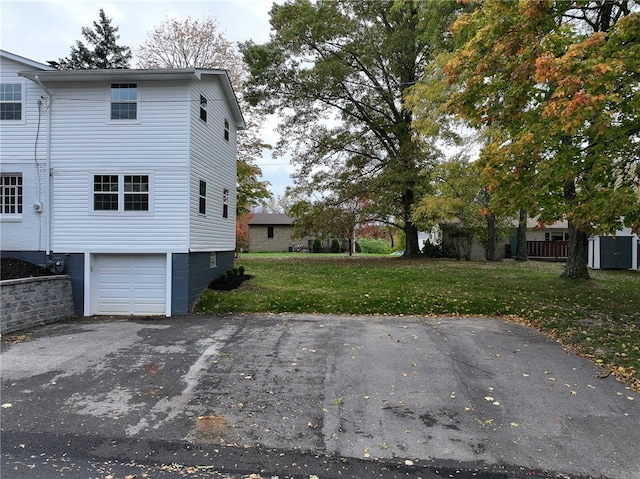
column 43, row 30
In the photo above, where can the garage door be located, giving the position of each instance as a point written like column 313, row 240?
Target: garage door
column 125, row 284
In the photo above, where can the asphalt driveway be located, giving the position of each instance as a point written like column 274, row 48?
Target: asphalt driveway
column 405, row 397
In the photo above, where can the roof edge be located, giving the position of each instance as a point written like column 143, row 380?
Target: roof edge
column 25, row 61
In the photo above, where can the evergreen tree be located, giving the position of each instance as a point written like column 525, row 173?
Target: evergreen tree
column 106, row 53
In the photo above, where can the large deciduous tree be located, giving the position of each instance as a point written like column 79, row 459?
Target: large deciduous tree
column 559, row 85
column 336, row 73
column 189, row 43
column 102, row 51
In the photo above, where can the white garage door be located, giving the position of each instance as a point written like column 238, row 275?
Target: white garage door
column 124, row 284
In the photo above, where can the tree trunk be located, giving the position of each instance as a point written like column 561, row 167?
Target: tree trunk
column 576, row 267
column 521, row 248
column 491, row 238
column 412, row 249
column 352, row 242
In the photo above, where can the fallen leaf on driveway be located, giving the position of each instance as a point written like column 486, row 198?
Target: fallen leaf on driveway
column 6, row 405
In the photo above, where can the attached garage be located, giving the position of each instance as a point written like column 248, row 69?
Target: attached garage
column 128, row 284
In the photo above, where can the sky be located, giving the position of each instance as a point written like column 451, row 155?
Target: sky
column 43, row 30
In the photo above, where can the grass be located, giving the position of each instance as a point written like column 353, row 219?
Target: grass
column 598, row 319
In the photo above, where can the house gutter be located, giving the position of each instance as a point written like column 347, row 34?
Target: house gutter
column 48, row 208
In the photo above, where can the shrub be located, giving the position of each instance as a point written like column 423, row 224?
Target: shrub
column 241, row 270
column 431, row 250
column 316, row 247
column 335, row 245
column 446, row 249
column 374, row 246
column 235, row 272
column 224, row 277
column 358, row 248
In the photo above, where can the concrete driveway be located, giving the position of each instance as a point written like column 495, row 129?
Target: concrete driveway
column 415, row 397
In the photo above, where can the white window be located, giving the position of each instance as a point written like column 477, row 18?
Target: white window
column 124, row 101
column 121, row 192
column 11, row 101
column 225, row 203
column 202, row 203
column 203, row 108
column 11, row 194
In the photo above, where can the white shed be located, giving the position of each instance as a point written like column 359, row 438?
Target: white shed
column 614, row 252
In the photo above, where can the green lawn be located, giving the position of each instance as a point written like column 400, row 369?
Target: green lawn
column 599, row 319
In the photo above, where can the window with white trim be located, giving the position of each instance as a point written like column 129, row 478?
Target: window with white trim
column 11, row 194
column 202, row 198
column 136, row 192
column 121, row 192
column 203, row 108
column 225, row 203
column 11, row 101
column 226, row 130
column 124, row 101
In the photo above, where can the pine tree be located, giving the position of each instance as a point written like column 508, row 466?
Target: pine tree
column 106, row 52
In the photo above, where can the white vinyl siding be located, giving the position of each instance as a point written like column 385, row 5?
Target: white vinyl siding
column 212, row 160
column 21, row 154
column 18, row 137
column 157, row 145
column 79, row 229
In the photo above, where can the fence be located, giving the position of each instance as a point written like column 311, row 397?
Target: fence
column 547, row 249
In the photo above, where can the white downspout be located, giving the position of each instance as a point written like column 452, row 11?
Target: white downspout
column 49, row 207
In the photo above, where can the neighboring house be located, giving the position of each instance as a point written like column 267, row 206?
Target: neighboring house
column 546, row 241
column 123, row 179
column 462, row 238
column 272, row 232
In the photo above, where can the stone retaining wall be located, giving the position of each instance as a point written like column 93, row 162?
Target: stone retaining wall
column 30, row 302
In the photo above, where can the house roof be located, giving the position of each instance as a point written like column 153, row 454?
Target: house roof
column 533, row 224
column 270, row 219
column 24, row 61
column 46, row 74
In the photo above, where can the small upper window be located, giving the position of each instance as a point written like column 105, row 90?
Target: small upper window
column 226, row 130
column 202, row 204
column 11, row 194
column 10, row 101
column 225, row 203
column 203, row 108
column 124, row 101
column 269, row 231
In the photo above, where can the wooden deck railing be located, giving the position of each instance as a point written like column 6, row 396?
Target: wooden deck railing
column 547, row 249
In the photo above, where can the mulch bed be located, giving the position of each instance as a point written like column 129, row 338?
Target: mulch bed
column 11, row 268
column 229, row 283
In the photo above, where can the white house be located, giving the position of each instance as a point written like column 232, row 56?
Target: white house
column 124, row 179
